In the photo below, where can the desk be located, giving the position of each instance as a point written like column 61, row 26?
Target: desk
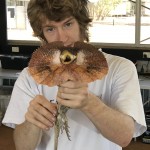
column 5, row 91
column 145, row 89
column 144, row 82
column 9, row 74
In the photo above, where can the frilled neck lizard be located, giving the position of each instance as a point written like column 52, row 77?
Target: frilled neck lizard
column 54, row 64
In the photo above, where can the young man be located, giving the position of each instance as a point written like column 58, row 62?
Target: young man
column 106, row 114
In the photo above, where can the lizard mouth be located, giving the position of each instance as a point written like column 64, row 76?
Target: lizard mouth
column 66, row 57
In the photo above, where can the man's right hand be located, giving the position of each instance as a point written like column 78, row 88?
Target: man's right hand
column 41, row 112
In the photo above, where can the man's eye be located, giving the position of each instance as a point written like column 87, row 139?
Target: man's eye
column 50, row 29
column 68, row 24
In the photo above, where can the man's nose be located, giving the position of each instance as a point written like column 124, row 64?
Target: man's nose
column 62, row 35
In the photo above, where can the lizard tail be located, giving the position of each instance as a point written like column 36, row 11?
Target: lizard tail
column 56, row 137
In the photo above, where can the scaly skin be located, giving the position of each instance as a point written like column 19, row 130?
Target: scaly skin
column 61, row 124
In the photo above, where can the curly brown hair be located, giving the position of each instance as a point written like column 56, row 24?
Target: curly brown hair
column 57, row 10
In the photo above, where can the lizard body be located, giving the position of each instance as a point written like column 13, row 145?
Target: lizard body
column 61, row 124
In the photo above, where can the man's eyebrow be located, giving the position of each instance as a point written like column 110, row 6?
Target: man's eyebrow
column 69, row 19
column 51, row 24
column 47, row 25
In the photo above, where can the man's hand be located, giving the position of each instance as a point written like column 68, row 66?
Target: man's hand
column 41, row 112
column 73, row 94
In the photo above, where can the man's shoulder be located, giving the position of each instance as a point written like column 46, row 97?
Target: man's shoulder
column 115, row 59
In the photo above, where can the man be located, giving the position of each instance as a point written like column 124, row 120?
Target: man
column 105, row 114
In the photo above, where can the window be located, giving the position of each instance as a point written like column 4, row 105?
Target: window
column 115, row 22
column 145, row 22
column 18, row 27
